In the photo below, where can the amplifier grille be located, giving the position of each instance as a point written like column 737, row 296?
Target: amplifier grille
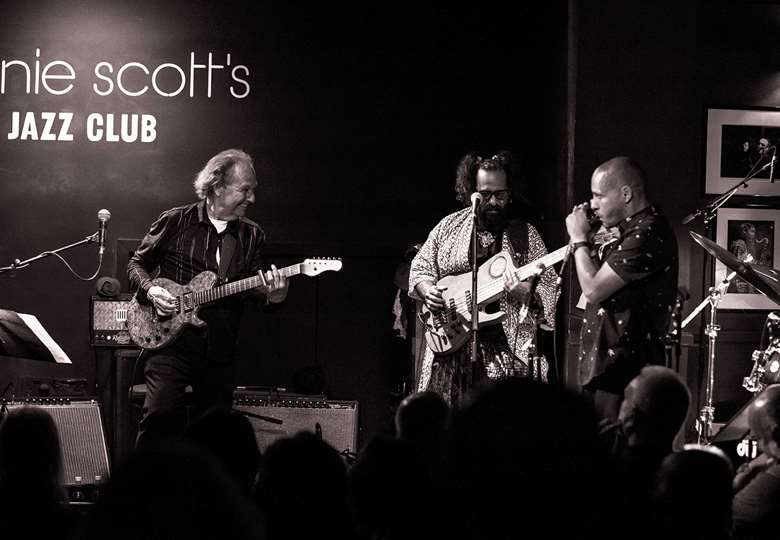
column 336, row 421
column 109, row 321
column 84, row 452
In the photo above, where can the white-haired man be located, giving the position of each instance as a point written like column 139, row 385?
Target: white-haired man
column 211, row 234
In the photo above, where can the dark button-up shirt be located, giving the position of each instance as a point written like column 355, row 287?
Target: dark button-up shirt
column 626, row 331
column 182, row 243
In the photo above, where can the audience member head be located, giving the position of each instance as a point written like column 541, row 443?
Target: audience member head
column 32, row 496
column 654, row 407
column 693, row 493
column 229, row 436
column 421, row 415
column 304, row 472
column 30, row 456
column 393, row 495
column 175, row 491
column 764, row 420
column 516, row 445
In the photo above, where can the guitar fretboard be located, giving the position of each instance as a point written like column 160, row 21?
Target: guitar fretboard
column 547, row 260
column 235, row 287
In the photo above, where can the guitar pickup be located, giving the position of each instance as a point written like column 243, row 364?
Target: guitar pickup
column 184, row 303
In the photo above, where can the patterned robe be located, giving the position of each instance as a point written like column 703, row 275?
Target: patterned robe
column 446, row 252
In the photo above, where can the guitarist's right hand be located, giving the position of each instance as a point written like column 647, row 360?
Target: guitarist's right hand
column 164, row 303
column 433, row 298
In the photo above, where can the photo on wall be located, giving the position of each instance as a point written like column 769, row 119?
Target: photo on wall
column 750, row 235
column 740, row 145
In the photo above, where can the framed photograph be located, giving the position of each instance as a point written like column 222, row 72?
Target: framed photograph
column 743, row 232
column 741, row 142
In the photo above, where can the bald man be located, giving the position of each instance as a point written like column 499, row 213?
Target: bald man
column 630, row 288
column 756, row 504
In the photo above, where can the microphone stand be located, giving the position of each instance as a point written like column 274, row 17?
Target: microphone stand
column 17, row 264
column 537, row 313
column 474, row 299
column 710, row 210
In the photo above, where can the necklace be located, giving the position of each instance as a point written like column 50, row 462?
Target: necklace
column 486, row 238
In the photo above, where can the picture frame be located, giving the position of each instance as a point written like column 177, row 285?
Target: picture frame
column 740, row 141
column 735, row 226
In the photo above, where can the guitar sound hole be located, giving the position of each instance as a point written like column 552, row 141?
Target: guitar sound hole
column 498, row 267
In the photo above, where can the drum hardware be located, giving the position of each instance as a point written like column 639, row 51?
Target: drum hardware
column 766, row 362
column 707, row 414
column 767, row 281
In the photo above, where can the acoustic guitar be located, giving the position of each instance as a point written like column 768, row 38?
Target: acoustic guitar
column 448, row 330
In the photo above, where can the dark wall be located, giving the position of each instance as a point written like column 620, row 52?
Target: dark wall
column 356, row 118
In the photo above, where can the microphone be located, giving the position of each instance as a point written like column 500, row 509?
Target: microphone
column 772, row 165
column 566, row 257
column 476, row 200
column 103, row 217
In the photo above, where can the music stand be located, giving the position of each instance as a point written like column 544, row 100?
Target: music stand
column 23, row 336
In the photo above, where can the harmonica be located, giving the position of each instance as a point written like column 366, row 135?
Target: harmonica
column 593, row 219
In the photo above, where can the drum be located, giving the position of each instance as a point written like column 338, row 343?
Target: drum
column 766, row 368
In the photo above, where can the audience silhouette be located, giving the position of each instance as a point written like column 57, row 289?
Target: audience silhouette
column 757, row 483
column 302, row 490
column 172, row 491
column 32, row 501
column 229, row 437
column 692, row 495
column 518, row 456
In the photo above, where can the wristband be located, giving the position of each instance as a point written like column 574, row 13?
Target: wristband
column 576, row 245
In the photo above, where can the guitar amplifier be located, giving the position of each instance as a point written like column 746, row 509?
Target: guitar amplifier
column 273, row 417
column 108, row 321
column 82, row 442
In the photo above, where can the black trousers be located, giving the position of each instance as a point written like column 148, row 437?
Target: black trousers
column 168, row 372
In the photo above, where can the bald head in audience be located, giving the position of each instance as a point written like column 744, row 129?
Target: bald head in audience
column 764, row 419
column 654, row 407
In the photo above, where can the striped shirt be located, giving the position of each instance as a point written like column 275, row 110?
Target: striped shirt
column 183, row 242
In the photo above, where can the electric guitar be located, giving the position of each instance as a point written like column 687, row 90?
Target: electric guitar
column 149, row 330
column 447, row 330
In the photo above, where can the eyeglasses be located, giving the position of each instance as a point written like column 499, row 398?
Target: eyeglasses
column 501, row 195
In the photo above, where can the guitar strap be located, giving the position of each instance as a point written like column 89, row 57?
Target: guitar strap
column 226, row 255
column 518, row 241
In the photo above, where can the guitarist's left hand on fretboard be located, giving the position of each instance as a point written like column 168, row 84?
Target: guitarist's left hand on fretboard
column 275, row 285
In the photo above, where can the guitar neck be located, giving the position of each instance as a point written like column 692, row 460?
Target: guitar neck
column 548, row 260
column 242, row 285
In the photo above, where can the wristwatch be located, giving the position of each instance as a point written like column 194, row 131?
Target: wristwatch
column 576, row 245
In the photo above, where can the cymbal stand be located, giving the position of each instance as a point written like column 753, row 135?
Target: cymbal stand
column 707, row 414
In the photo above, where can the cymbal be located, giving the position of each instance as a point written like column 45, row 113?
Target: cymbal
column 763, row 278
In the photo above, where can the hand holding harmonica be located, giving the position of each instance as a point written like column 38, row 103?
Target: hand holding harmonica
column 581, row 223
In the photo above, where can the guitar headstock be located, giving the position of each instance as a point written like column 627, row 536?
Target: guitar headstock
column 313, row 267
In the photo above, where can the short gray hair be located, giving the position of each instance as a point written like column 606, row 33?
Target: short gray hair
column 220, row 170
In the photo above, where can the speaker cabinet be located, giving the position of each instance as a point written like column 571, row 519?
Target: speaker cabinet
column 84, row 452
column 335, row 421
